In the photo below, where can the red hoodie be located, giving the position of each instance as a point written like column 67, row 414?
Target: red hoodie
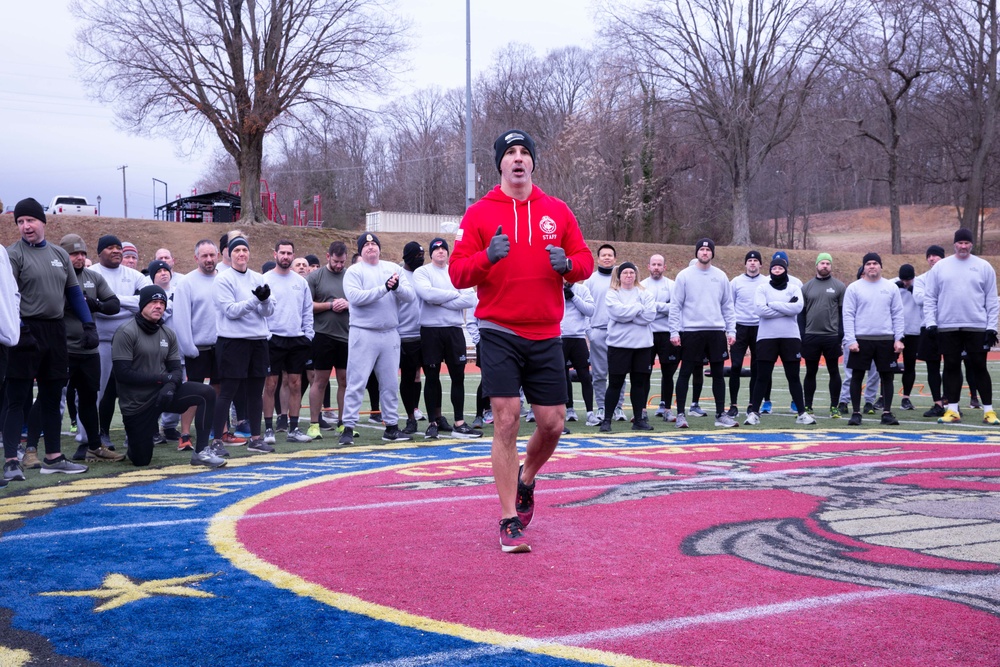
column 520, row 292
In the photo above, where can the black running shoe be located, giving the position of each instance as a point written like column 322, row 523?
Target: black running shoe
column 432, row 431
column 347, row 437
column 905, row 404
column 443, row 425
column 525, row 502
column 641, row 425
column 855, row 419
column 733, row 411
column 411, row 427
column 869, row 409
column 935, row 411
column 889, row 419
column 393, row 434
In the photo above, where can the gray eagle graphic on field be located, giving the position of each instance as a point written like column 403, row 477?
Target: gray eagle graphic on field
column 961, row 524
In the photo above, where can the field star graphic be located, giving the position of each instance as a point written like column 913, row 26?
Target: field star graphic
column 119, row 590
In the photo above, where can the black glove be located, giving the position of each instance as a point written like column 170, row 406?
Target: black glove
column 932, row 332
column 499, row 246
column 166, row 395
column 173, row 377
column 991, row 339
column 27, row 341
column 793, row 299
column 568, row 292
column 262, row 292
column 393, row 286
column 93, row 304
column 90, row 339
column 557, row 258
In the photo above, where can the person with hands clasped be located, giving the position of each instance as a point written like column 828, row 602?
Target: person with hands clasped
column 777, row 304
column 519, row 245
column 147, row 369
column 244, row 303
column 870, row 336
column 631, row 310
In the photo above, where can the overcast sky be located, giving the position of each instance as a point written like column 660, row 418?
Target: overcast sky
column 56, row 139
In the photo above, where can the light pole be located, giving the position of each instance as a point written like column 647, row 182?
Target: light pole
column 156, row 215
column 98, row 204
column 124, row 192
column 470, row 167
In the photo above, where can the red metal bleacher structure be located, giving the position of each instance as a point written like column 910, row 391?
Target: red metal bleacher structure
column 269, row 202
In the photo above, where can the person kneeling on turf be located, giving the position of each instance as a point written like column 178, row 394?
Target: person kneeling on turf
column 147, row 368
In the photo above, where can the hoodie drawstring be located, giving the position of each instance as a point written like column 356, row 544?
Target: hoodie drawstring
column 514, row 204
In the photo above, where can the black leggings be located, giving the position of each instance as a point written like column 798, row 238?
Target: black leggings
column 433, row 392
column 409, row 375
column 718, row 384
column 885, row 380
column 910, row 345
column 142, row 426
column 934, row 377
column 106, row 409
column 17, row 405
column 254, row 391
column 835, row 385
column 765, row 369
column 577, row 356
column 638, row 394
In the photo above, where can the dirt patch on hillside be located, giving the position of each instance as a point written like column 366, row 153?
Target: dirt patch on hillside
column 847, row 235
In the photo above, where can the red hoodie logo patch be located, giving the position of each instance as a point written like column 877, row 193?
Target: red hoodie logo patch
column 547, row 225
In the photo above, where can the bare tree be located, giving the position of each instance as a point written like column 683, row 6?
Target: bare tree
column 741, row 68
column 238, row 68
column 884, row 54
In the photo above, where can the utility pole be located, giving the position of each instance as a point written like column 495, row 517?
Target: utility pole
column 124, row 192
column 470, row 167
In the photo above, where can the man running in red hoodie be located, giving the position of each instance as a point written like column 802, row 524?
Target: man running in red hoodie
column 516, row 245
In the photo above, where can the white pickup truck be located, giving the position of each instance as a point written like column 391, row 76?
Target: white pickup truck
column 71, row 205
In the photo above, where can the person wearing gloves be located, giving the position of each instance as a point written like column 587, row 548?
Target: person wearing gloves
column 573, row 329
column 745, row 288
column 913, row 317
column 703, row 325
column 410, row 357
column 870, row 336
column 46, row 282
column 598, row 284
column 631, row 311
column 518, row 245
column 961, row 309
column 929, row 352
column 147, row 369
column 778, row 303
column 243, row 304
column 374, row 290
column 822, row 327
column 662, row 289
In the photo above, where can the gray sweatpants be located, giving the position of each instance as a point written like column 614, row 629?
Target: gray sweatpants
column 369, row 350
column 599, row 367
column 871, row 392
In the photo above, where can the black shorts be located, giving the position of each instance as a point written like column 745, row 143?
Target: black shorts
column 85, row 371
column 288, row 355
column 239, row 358
column 928, row 349
column 328, row 353
column 442, row 344
column 511, row 362
column 697, row 347
column 769, row 350
column 627, row 360
column 202, row 367
column 50, row 358
column 669, row 354
column 963, row 344
column 815, row 346
column 879, row 351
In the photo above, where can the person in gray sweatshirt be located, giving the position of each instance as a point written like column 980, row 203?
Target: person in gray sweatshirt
column 870, row 336
column 913, row 317
column 744, row 291
column 703, row 325
column 243, row 302
column 442, row 340
column 662, row 289
column 598, row 284
column 631, row 311
column 374, row 290
column 929, row 352
column 578, row 308
column 410, row 354
column 961, row 309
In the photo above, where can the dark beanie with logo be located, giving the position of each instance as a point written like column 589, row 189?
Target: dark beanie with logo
column 705, row 243
column 151, row 293
column 514, row 138
column 366, row 238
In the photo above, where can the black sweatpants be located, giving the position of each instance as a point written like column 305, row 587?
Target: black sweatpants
column 142, row 426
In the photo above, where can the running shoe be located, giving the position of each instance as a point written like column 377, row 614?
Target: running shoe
column 411, row 426
column 393, row 434
column 530, row 417
column 419, row 416
column 269, row 436
column 950, row 417
column 935, row 411
column 842, row 407
column 889, row 419
column 281, row 424
column 466, row 432
column 184, row 444
column 879, row 404
column 793, row 407
column 641, row 424
column 233, row 440
column 512, row 539
column 296, row 435
column 869, row 408
column 905, row 404
column 103, row 454
column 835, row 412
column 660, row 410
column 347, row 437
column 605, row 426
column 725, row 421
column 592, row 419
column 242, row 430
column 172, row 434
column 487, row 416
column 765, row 408
column 974, row 404
column 668, row 416
column 219, row 449
column 207, row 458
column 524, row 503
column 733, row 411
column 752, row 419
column 855, row 419
column 315, row 431
column 478, row 422
column 375, row 417
column 681, row 421
column 991, row 418
column 619, row 415
column 805, row 418
column 12, row 471
column 443, row 425
column 431, row 433
column 257, row 444
column 571, row 415
column 159, row 439
column 696, row 411
column 63, row 465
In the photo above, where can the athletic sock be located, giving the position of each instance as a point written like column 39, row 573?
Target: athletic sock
column 269, row 422
column 293, row 423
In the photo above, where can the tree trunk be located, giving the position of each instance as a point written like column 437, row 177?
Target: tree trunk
column 741, row 216
column 894, row 225
column 249, row 162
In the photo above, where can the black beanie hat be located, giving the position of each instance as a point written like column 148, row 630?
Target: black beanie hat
column 268, row 265
column 861, row 270
column 779, row 261
column 704, row 243
column 150, row 293
column 236, row 243
column 626, row 265
column 107, row 240
column 907, row 272
column 29, row 207
column 871, row 257
column 962, row 234
column 412, row 251
column 935, row 250
column 365, row 238
column 312, row 260
column 155, row 266
column 753, row 254
column 439, row 243
column 514, row 138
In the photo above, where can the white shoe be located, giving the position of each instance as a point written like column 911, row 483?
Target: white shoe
column 571, row 415
column 805, row 418
column 530, row 417
column 752, row 419
column 593, row 420
column 669, row 416
column 660, row 410
column 696, row 411
column 269, row 436
column 418, row 415
column 619, row 415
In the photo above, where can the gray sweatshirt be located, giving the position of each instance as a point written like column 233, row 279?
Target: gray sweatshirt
column 630, row 315
column 577, row 312
column 10, row 303
column 293, row 305
column 961, row 294
column 866, row 304
column 126, row 283
column 744, row 295
column 409, row 312
column 195, row 313
column 702, row 301
column 777, row 313
column 913, row 314
column 442, row 304
column 662, row 291
column 240, row 314
column 599, row 284
column 373, row 305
